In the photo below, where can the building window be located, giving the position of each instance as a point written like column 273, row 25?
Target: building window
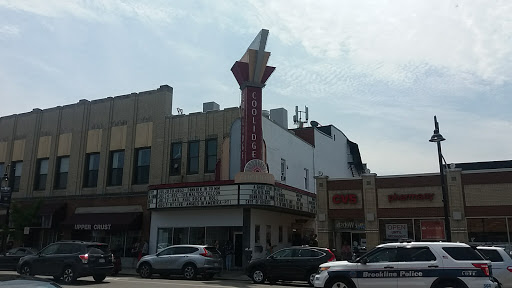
column 116, row 168
column 143, row 158
column 280, row 234
column 268, row 235
column 257, row 234
column 41, row 174
column 211, row 156
column 16, row 168
column 2, row 169
column 306, row 178
column 193, row 158
column 175, row 159
column 61, row 177
column 91, row 172
column 283, row 169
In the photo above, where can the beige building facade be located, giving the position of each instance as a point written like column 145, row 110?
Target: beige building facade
column 89, row 164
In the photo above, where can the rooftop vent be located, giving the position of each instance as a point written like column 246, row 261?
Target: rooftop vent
column 210, row 106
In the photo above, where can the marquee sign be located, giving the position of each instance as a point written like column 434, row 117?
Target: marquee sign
column 251, row 73
column 230, row 195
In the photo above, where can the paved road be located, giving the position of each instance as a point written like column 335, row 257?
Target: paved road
column 137, row 282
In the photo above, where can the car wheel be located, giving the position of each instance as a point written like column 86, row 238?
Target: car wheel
column 258, row 276
column 189, row 271
column 311, row 279
column 448, row 285
column 68, row 275
column 145, row 270
column 99, row 277
column 26, row 270
column 338, row 283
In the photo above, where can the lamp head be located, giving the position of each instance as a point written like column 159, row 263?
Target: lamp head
column 437, row 137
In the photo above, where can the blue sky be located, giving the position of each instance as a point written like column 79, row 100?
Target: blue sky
column 377, row 70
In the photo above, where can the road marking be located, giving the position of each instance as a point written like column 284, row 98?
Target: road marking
column 167, row 283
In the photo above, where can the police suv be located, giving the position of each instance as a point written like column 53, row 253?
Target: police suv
column 410, row 264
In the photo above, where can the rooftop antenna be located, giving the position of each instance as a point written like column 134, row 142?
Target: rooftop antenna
column 297, row 118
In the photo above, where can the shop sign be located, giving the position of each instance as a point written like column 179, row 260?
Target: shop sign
column 349, row 225
column 407, row 197
column 396, row 231
column 92, row 226
column 344, row 198
column 251, row 134
column 432, row 230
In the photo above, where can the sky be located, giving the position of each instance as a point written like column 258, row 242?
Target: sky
column 377, row 70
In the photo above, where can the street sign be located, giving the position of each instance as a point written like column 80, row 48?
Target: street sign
column 5, row 195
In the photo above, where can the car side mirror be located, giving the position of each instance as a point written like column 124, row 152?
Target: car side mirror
column 363, row 261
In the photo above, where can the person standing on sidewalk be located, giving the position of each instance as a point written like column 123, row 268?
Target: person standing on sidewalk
column 228, row 250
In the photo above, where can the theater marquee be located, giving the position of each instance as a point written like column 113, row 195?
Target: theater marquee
column 231, row 195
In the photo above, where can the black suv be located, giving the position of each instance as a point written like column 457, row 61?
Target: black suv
column 69, row 260
column 289, row 264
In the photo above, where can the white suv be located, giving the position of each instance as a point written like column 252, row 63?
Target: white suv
column 501, row 264
column 410, row 264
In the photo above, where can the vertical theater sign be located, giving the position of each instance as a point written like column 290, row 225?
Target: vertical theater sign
column 251, row 73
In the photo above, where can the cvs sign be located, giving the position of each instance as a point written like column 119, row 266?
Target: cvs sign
column 344, row 199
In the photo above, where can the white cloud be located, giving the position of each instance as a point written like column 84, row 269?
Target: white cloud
column 9, row 30
column 467, row 37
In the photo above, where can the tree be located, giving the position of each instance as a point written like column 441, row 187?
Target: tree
column 22, row 216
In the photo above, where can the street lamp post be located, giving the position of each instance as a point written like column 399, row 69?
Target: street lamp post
column 437, row 138
column 5, row 200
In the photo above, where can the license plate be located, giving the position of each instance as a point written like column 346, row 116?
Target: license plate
column 102, row 260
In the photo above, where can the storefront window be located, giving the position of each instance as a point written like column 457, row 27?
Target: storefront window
column 197, row 235
column 217, row 233
column 487, row 230
column 180, row 236
column 392, row 230
column 429, row 230
column 164, row 238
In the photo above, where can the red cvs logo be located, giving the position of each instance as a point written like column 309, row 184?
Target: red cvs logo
column 344, row 198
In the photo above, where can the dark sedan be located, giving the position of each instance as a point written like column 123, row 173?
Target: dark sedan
column 10, row 259
column 289, row 264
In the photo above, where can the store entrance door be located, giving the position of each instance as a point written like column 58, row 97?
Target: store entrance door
column 352, row 242
column 238, row 249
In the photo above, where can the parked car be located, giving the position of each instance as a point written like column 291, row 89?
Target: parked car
column 501, row 264
column 411, row 264
column 69, row 260
column 10, row 259
column 290, row 264
column 22, row 281
column 186, row 260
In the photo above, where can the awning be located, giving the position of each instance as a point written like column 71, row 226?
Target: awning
column 50, row 208
column 104, row 221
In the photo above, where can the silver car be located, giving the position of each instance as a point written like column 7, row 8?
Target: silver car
column 186, row 260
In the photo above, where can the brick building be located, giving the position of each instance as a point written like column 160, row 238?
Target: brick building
column 376, row 209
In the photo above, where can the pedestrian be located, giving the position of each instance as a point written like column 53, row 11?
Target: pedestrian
column 345, row 251
column 269, row 248
column 313, row 242
column 228, row 251
column 145, row 249
column 135, row 252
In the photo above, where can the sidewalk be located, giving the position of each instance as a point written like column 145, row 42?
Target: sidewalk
column 238, row 275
